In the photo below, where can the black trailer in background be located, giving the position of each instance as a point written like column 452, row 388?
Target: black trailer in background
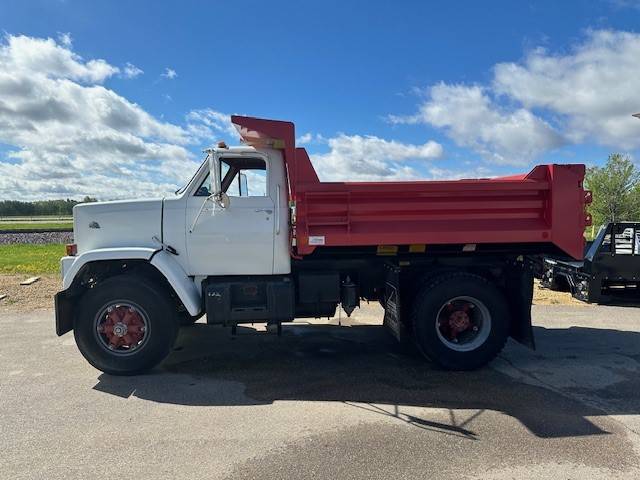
column 609, row 272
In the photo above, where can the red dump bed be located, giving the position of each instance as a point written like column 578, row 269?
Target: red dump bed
column 547, row 205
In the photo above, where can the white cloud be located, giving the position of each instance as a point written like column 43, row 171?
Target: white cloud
column 350, row 157
column 69, row 135
column 594, row 87
column 20, row 55
column 131, row 71
column 72, row 136
column 304, row 139
column 211, row 124
column 169, row 73
column 438, row 173
column 310, row 138
column 65, row 39
column 471, row 119
column 533, row 106
column 368, row 158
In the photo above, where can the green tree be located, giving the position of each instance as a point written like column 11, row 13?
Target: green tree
column 616, row 190
column 40, row 207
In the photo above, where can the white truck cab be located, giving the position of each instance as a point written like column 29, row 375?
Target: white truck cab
column 197, row 234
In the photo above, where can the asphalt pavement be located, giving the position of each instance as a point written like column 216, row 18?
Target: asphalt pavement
column 326, row 401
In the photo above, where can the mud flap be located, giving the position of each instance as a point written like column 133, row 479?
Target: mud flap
column 393, row 306
column 519, row 292
column 64, row 313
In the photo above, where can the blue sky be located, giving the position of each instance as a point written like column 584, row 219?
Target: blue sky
column 382, row 89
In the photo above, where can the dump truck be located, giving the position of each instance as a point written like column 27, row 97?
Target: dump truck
column 255, row 236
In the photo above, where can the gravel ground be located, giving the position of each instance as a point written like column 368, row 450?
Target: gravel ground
column 544, row 296
column 28, row 297
column 36, row 238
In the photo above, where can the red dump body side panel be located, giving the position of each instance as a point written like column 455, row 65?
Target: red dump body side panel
column 545, row 206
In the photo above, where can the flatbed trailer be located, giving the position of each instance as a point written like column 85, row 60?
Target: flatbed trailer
column 449, row 261
column 609, row 272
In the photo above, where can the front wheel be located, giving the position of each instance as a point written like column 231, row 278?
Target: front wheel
column 125, row 326
column 460, row 321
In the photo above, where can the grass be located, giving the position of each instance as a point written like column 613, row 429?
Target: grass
column 31, row 259
column 35, row 225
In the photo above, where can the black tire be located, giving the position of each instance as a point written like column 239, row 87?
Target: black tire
column 434, row 296
column 156, row 307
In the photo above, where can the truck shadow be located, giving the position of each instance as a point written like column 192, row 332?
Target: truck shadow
column 363, row 367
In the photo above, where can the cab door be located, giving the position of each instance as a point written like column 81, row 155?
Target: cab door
column 238, row 239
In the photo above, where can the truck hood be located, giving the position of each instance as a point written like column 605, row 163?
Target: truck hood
column 130, row 223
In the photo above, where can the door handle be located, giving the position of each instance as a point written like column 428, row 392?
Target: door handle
column 265, row 210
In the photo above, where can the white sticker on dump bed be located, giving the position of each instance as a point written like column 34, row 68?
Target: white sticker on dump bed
column 316, row 240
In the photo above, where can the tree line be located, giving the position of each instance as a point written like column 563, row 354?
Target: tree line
column 616, row 190
column 10, row 208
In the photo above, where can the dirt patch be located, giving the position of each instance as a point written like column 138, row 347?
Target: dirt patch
column 28, row 297
column 544, row 296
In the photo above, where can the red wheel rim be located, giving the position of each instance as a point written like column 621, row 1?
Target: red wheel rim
column 463, row 323
column 122, row 328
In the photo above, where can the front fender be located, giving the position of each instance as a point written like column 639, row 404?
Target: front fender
column 72, row 265
column 183, row 286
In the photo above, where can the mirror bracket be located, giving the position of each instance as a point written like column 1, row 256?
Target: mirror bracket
column 214, row 171
column 221, row 199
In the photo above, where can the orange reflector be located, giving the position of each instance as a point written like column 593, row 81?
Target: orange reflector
column 417, row 248
column 387, row 250
column 72, row 249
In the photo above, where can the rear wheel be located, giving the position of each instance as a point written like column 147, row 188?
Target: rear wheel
column 460, row 321
column 125, row 325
